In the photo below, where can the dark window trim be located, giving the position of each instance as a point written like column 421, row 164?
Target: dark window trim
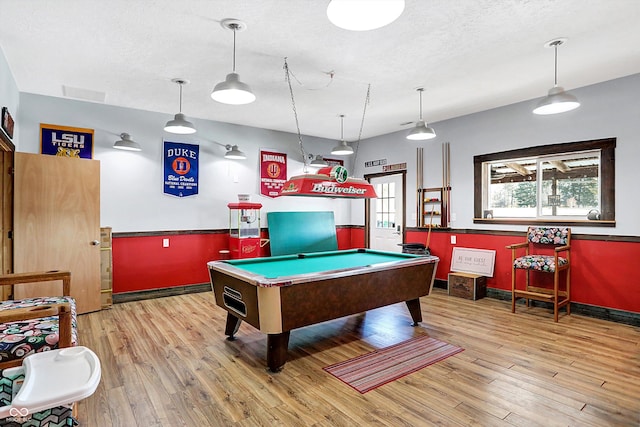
column 607, row 164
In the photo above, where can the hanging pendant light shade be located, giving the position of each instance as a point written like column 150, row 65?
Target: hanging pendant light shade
column 342, row 149
column 180, row 124
column 421, row 131
column 126, row 143
column 232, row 90
column 234, row 153
column 363, row 15
column 318, row 162
column 557, row 100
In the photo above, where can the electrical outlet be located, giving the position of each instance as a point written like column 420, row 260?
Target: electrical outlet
column 165, row 243
column 453, row 240
column 453, row 217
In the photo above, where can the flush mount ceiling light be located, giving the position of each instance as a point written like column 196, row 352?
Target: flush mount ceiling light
column 363, row 15
column 557, row 100
column 234, row 153
column 232, row 90
column 342, row 149
column 126, row 143
column 421, row 131
column 318, row 162
column 180, row 124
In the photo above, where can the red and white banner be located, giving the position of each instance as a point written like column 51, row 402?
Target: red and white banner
column 273, row 172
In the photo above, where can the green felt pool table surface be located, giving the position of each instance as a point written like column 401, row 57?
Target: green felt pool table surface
column 291, row 265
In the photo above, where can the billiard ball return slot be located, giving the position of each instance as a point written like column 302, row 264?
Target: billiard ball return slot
column 233, row 301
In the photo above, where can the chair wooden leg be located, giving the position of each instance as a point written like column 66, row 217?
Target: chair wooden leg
column 555, row 296
column 513, row 289
column 569, row 290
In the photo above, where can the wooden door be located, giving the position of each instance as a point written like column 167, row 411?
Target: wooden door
column 57, row 224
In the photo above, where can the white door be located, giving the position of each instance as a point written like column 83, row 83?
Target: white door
column 386, row 214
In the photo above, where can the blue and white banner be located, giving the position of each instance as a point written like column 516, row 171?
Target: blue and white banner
column 66, row 141
column 180, row 168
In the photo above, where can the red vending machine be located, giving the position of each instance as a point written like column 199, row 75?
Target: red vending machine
column 244, row 230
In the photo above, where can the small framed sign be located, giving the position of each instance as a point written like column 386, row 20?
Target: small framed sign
column 478, row 261
column 7, row 122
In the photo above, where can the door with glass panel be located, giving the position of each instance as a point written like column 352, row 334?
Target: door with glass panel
column 386, row 213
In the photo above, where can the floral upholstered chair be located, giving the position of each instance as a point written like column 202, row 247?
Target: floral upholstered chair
column 33, row 325
column 542, row 250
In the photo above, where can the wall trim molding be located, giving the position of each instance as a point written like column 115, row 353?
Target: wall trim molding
column 574, row 235
column 211, row 231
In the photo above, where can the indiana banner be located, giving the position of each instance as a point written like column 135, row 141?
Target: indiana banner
column 273, row 172
column 66, row 141
column 180, row 168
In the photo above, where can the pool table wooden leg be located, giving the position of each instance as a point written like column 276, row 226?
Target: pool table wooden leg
column 414, row 310
column 232, row 326
column 277, row 350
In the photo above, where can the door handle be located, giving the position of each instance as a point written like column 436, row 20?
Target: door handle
column 95, row 242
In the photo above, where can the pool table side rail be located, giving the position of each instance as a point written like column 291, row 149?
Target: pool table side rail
column 260, row 280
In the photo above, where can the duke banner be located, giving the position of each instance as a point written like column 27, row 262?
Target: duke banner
column 181, row 168
column 66, row 141
column 273, row 172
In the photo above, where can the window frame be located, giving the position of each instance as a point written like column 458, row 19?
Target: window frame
column 605, row 146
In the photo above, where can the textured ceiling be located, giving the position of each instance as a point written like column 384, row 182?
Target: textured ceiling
column 469, row 55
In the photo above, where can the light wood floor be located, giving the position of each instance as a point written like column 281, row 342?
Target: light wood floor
column 165, row 362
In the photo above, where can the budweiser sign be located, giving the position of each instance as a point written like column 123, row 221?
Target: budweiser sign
column 328, row 182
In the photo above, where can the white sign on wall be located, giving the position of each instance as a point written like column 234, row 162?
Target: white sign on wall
column 477, row 261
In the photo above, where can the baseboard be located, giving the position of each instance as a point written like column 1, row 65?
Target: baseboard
column 161, row 292
column 611, row 314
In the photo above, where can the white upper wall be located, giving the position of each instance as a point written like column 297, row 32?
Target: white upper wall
column 131, row 194
column 609, row 109
column 9, row 95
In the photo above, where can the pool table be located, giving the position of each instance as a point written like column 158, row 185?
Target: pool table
column 281, row 293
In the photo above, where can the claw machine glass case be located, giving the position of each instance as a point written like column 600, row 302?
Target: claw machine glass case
column 244, row 230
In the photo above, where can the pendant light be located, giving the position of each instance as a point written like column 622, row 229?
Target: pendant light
column 234, row 153
column 363, row 15
column 126, row 143
column 180, row 124
column 421, row 131
column 557, row 100
column 318, row 162
column 232, row 90
column 342, row 149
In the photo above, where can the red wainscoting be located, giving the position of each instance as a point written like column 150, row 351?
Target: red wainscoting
column 141, row 263
column 603, row 273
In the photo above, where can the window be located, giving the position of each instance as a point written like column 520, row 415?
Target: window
column 386, row 205
column 565, row 183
